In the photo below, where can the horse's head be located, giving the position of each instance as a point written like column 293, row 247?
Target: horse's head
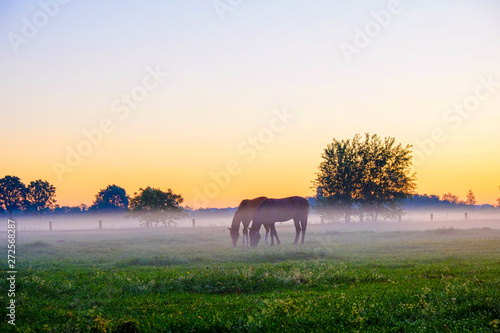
column 235, row 234
column 254, row 236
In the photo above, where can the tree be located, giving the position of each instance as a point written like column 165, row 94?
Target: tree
column 83, row 207
column 387, row 178
column 112, row 198
column 40, row 196
column 153, row 206
column 471, row 198
column 12, row 194
column 424, row 200
column 451, row 198
column 368, row 177
column 338, row 179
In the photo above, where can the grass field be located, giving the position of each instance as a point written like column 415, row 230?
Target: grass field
column 192, row 280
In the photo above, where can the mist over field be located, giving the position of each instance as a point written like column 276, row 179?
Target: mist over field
column 416, row 219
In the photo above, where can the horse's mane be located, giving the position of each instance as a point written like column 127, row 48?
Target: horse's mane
column 255, row 203
column 246, row 209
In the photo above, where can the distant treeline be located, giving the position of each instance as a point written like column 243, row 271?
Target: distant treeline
column 447, row 201
column 417, row 201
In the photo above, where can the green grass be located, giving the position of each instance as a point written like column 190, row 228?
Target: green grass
column 192, row 280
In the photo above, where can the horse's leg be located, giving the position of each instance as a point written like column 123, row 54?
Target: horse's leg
column 304, row 226
column 267, row 233
column 276, row 233
column 296, row 221
column 272, row 234
column 245, row 235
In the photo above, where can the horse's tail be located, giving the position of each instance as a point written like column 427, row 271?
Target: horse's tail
column 303, row 220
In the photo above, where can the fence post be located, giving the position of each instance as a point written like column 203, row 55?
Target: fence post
column 432, row 217
column 100, row 224
column 194, row 223
column 50, row 225
column 465, row 215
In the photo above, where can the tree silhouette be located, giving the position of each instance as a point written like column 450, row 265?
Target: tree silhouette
column 366, row 177
column 470, row 198
column 112, row 198
column 387, row 178
column 12, row 194
column 83, row 207
column 451, row 198
column 339, row 178
column 40, row 196
column 153, row 206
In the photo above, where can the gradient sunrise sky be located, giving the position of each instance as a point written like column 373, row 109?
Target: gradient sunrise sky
column 223, row 100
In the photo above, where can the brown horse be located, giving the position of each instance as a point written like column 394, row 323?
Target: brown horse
column 244, row 214
column 280, row 210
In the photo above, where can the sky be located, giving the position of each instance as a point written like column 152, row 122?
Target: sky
column 222, row 100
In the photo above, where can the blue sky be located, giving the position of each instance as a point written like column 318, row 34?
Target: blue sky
column 225, row 79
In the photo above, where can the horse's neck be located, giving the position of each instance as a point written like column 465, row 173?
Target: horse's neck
column 235, row 225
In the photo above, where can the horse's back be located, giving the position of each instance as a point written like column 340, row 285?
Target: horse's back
column 299, row 202
column 280, row 210
column 257, row 202
column 295, row 202
column 247, row 206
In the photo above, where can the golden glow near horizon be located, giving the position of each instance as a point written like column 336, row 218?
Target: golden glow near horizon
column 222, row 106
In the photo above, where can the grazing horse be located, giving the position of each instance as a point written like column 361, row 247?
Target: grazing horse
column 280, row 210
column 244, row 214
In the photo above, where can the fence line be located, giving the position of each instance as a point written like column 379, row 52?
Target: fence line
column 62, row 223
